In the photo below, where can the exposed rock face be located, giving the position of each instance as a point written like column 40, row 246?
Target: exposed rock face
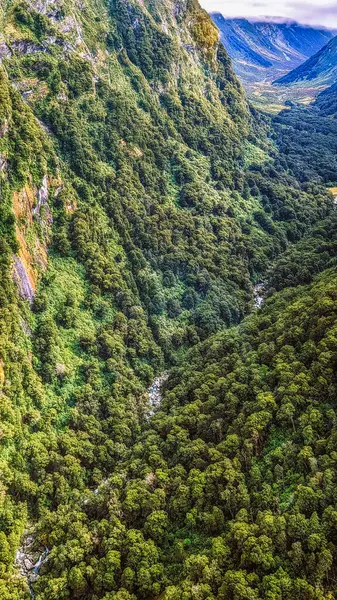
column 4, row 51
column 42, row 6
column 154, row 392
column 29, row 559
column 3, row 164
column 42, row 200
column 32, row 257
column 25, row 47
column 23, row 281
column 259, row 294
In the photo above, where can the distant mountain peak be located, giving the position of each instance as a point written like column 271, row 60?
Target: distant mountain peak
column 319, row 69
column 263, row 49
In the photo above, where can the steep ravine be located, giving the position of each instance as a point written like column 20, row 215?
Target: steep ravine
column 128, row 165
column 154, row 391
column 29, row 560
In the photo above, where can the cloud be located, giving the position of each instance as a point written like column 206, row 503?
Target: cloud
column 317, row 12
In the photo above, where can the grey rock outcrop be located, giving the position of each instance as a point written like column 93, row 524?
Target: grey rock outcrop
column 154, row 393
column 29, row 560
column 21, row 277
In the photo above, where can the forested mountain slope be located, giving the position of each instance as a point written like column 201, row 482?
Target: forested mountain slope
column 108, row 107
column 230, row 490
column 264, row 50
column 327, row 102
column 307, row 138
column 140, row 201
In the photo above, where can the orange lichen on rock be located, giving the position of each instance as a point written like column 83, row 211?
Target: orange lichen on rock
column 40, row 255
column 23, row 204
column 31, row 258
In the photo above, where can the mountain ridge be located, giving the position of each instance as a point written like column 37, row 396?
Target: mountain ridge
column 319, row 69
column 142, row 198
column 260, row 48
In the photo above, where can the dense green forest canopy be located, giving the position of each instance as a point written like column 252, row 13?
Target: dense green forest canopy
column 230, row 492
column 307, row 138
column 141, row 200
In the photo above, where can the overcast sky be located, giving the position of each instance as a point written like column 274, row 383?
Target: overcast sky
column 316, row 12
